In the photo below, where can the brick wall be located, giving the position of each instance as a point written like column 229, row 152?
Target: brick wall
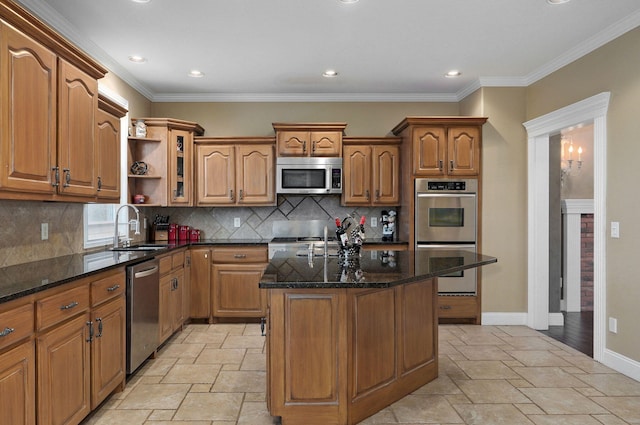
column 586, row 262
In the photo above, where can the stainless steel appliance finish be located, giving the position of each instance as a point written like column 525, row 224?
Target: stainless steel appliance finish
column 446, row 219
column 463, row 282
column 309, row 175
column 143, row 302
column 446, row 211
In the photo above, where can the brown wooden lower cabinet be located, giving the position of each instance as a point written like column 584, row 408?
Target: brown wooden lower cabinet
column 337, row 356
column 458, row 309
column 17, row 385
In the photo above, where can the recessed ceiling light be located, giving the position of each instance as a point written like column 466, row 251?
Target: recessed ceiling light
column 330, row 73
column 349, row 1
column 141, row 1
column 196, row 74
column 137, row 59
column 558, row 1
column 453, row 73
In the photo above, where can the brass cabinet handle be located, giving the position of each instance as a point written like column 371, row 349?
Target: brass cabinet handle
column 231, row 194
column 367, row 194
column 441, row 164
column 113, row 288
column 67, row 177
column 56, row 176
column 313, row 147
column 99, row 183
column 99, row 320
column 7, row 331
column 451, row 164
column 377, row 194
column 69, row 306
column 304, row 146
column 90, row 325
column 241, row 194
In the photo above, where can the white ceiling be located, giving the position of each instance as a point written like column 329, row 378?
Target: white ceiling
column 383, row 50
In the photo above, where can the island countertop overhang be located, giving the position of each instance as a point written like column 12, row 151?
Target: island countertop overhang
column 373, row 269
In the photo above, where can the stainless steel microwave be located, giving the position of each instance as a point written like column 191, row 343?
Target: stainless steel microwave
column 309, row 175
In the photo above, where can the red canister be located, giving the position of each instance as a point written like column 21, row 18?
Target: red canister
column 184, row 232
column 195, row 235
column 173, row 232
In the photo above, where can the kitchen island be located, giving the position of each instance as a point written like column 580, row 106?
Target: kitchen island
column 346, row 339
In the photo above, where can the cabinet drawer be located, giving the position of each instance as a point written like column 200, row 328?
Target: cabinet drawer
column 457, row 307
column 177, row 260
column 56, row 308
column 165, row 264
column 16, row 324
column 239, row 255
column 108, row 287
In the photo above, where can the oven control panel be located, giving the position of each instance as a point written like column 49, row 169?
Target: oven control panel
column 447, row 185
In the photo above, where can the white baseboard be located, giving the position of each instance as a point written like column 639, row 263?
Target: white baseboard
column 504, row 319
column 622, row 364
column 556, row 319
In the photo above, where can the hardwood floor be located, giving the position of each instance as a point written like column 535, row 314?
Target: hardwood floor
column 577, row 331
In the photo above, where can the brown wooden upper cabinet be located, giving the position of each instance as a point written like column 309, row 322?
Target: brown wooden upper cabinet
column 372, row 171
column 48, row 104
column 443, row 146
column 235, row 171
column 108, row 149
column 167, row 152
column 309, row 139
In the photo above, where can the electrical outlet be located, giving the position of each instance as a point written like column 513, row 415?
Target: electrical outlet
column 44, row 231
column 236, row 222
column 613, row 325
column 374, row 221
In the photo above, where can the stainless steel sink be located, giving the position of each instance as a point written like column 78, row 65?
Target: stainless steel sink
column 140, row 247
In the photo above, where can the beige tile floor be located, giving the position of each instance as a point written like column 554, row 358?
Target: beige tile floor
column 489, row 375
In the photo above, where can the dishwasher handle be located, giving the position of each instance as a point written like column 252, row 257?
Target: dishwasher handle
column 145, row 273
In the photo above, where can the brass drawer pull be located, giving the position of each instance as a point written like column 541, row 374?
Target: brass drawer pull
column 7, row 331
column 69, row 306
column 445, row 307
column 240, row 256
column 113, row 288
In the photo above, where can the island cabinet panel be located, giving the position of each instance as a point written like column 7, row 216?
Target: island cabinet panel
column 373, row 341
column 307, row 358
column 338, row 356
column 28, row 113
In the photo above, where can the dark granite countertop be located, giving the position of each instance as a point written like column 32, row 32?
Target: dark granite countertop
column 374, row 269
column 28, row 278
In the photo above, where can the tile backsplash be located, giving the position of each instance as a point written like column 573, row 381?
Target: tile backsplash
column 257, row 222
column 20, row 240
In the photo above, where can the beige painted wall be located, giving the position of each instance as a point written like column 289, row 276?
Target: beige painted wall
column 614, row 68
column 139, row 106
column 255, row 119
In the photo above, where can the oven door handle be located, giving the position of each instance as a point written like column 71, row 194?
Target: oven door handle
column 445, row 246
column 445, row 195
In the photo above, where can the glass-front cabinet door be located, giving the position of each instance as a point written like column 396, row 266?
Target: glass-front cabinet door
column 181, row 178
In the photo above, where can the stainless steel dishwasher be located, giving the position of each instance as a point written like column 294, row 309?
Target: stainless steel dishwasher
column 143, row 304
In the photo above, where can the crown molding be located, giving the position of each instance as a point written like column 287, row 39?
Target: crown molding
column 304, row 97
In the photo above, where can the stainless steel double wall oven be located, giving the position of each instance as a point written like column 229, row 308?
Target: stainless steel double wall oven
column 446, row 212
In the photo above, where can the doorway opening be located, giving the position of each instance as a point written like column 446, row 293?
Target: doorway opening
column 539, row 132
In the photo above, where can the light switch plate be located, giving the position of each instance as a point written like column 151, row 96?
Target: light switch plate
column 615, row 229
column 374, row 221
column 44, row 231
column 236, row 222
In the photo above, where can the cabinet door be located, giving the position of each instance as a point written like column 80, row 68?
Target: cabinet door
column 464, row 151
column 108, row 350
column 186, row 287
column 176, row 300
column 17, row 385
column 235, row 290
column 27, row 114
column 293, row 143
column 108, row 156
column 429, row 151
column 357, row 172
column 200, row 282
column 180, row 173
column 386, row 175
column 255, row 175
column 216, row 175
column 64, row 373
column 166, row 310
column 78, row 103
column 326, row 143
